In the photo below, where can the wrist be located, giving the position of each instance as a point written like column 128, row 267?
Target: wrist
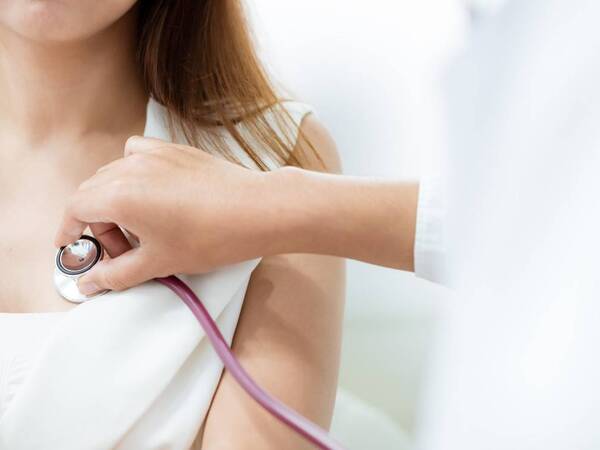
column 288, row 219
column 301, row 211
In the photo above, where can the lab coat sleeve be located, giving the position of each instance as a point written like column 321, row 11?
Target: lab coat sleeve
column 430, row 250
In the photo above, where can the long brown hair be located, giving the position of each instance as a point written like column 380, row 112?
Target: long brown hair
column 198, row 60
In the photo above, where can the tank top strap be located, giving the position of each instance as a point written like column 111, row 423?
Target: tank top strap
column 297, row 110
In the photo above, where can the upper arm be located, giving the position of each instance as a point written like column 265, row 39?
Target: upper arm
column 288, row 338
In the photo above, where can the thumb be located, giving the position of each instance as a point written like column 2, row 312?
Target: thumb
column 126, row 270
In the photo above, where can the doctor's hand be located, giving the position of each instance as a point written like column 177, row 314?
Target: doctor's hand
column 191, row 213
column 188, row 211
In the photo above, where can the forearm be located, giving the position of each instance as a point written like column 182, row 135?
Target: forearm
column 358, row 218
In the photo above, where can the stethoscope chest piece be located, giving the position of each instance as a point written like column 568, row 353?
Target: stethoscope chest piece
column 72, row 262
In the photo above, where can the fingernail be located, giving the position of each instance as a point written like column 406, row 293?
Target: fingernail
column 88, row 288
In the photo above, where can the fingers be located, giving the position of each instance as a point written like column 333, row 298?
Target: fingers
column 87, row 207
column 126, row 270
column 111, row 237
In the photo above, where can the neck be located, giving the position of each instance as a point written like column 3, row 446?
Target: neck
column 73, row 88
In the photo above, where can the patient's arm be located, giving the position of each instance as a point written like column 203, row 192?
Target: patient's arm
column 288, row 339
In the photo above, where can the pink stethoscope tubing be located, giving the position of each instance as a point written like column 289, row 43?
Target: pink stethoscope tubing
column 301, row 425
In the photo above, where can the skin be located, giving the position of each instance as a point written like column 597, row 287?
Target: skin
column 64, row 72
column 301, row 211
column 61, row 117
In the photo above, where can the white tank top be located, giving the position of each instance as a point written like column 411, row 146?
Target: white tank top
column 129, row 370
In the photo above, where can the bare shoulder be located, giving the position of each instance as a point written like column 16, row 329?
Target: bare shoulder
column 316, row 148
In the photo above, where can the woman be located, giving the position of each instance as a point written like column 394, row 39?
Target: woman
column 131, row 369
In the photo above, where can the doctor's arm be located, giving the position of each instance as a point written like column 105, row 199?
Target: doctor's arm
column 233, row 214
column 293, row 210
column 366, row 219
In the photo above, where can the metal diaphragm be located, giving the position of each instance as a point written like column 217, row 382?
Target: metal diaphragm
column 72, row 262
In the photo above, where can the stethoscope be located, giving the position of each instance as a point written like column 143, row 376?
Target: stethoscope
column 78, row 258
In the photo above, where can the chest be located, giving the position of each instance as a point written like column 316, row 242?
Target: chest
column 34, row 190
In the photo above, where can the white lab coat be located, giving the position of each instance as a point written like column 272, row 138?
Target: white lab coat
column 516, row 362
